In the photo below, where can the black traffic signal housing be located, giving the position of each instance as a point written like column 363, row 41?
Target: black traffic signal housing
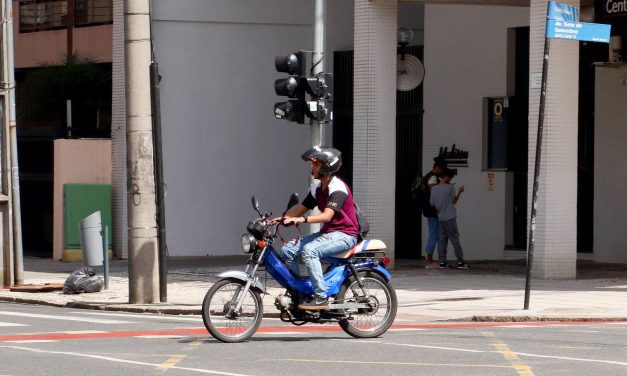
column 294, row 64
column 298, row 85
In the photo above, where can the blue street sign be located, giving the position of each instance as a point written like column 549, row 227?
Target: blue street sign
column 562, row 12
column 583, row 31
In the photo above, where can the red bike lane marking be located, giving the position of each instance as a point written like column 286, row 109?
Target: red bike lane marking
column 279, row 329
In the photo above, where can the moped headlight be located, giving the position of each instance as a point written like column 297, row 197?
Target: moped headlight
column 249, row 243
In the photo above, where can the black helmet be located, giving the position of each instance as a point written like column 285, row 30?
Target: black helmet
column 331, row 159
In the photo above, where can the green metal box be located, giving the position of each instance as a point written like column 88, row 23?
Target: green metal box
column 79, row 201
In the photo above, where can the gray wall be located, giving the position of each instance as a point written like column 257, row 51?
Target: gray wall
column 221, row 141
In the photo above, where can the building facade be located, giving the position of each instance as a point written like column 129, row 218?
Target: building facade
column 222, row 144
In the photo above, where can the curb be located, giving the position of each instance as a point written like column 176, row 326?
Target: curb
column 164, row 310
column 532, row 318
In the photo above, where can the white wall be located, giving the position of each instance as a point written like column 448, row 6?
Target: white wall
column 466, row 60
column 221, row 141
column 610, row 175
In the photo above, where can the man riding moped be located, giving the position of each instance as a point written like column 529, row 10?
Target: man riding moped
column 340, row 226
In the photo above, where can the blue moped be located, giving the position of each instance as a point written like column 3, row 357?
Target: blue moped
column 362, row 300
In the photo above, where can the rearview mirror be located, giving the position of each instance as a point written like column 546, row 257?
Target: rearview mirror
column 293, row 201
column 255, row 204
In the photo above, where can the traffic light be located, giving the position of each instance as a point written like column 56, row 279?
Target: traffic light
column 320, row 105
column 298, row 85
column 293, row 64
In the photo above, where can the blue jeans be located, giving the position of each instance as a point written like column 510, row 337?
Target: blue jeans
column 312, row 248
column 434, row 234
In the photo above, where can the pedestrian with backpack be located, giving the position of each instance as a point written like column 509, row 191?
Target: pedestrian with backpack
column 421, row 193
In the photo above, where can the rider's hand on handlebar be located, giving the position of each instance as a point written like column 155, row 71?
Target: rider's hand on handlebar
column 289, row 221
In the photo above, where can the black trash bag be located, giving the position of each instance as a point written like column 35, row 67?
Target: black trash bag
column 83, row 280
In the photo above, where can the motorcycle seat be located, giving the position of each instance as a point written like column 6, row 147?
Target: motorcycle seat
column 363, row 246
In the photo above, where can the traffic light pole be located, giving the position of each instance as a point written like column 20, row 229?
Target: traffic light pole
column 316, row 134
column 318, row 61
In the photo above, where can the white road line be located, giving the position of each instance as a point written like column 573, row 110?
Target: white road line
column 519, row 326
column 149, row 316
column 64, row 318
column 156, row 316
column 575, row 359
column 118, row 360
column 283, row 333
column 515, row 352
column 79, row 332
column 3, row 324
column 160, row 336
column 405, row 329
column 32, row 341
column 422, row 346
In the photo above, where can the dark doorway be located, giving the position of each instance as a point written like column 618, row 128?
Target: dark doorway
column 588, row 54
column 409, row 112
column 408, row 147
column 520, row 139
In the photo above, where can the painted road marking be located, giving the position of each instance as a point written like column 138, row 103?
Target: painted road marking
column 171, row 362
column 146, row 316
column 118, row 360
column 261, row 330
column 161, row 336
column 384, row 363
column 79, row 331
column 152, row 316
column 5, row 324
column 33, row 341
column 575, row 359
column 64, row 318
column 513, row 359
column 422, row 346
column 405, row 329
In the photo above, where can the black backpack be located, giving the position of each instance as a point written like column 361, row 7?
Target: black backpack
column 421, row 194
column 364, row 226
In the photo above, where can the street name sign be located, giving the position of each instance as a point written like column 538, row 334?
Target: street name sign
column 582, row 31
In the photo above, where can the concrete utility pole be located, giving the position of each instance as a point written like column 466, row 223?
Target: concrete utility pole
column 142, row 232
column 15, row 175
column 6, row 259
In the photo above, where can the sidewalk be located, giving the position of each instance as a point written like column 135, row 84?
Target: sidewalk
column 489, row 291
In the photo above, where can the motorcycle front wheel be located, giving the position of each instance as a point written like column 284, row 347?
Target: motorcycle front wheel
column 222, row 320
column 382, row 304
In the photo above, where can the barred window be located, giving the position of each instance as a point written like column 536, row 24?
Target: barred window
column 36, row 15
column 93, row 12
column 39, row 15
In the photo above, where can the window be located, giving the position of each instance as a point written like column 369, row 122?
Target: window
column 39, row 15
column 36, row 15
column 93, row 12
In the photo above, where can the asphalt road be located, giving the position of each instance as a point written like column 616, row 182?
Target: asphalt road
column 40, row 340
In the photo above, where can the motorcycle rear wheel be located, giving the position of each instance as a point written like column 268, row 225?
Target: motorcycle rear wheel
column 374, row 321
column 219, row 315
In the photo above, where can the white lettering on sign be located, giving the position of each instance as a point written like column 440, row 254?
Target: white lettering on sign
column 566, row 11
column 614, row 6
